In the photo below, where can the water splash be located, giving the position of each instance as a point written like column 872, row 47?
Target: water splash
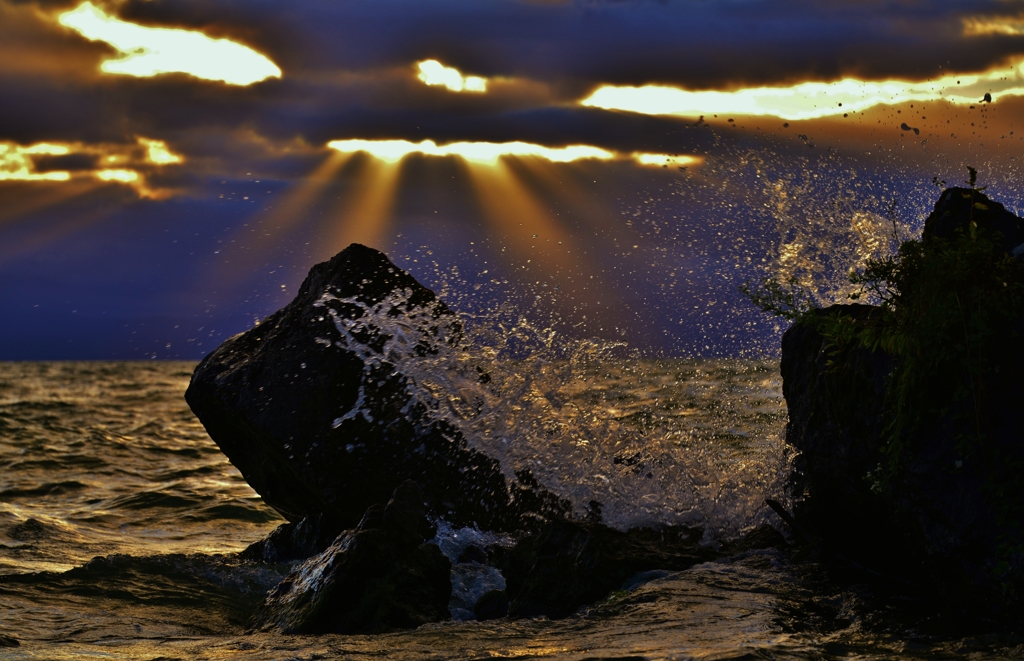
column 635, row 441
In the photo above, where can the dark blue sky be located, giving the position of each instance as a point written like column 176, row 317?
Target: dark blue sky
column 198, row 250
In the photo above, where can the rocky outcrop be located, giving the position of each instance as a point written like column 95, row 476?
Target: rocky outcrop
column 836, row 420
column 293, row 541
column 317, row 408
column 945, row 513
column 381, row 576
column 958, row 207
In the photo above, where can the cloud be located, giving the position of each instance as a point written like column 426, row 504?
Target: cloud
column 434, row 73
column 489, row 153
column 55, row 162
column 16, row 163
column 978, row 26
column 810, row 100
column 148, row 51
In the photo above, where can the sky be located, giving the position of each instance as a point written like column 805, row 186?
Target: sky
column 610, row 169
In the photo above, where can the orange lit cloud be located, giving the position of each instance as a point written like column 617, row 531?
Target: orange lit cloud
column 148, row 51
column 490, row 153
column 17, row 163
column 432, row 72
column 810, row 100
column 157, row 152
column 125, row 164
column 977, row 26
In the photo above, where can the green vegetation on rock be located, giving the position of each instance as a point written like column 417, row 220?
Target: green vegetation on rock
column 949, row 311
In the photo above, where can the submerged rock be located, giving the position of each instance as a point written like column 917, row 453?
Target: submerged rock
column 570, row 564
column 317, row 408
column 293, row 541
column 382, row 576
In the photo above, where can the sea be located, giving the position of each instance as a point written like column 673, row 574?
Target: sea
column 121, row 521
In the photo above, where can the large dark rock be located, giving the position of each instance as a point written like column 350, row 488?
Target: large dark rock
column 316, row 407
column 836, row 420
column 946, row 515
column 939, row 522
column 382, row 576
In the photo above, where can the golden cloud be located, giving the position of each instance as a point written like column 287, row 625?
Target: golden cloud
column 490, row 153
column 148, row 51
column 432, row 72
column 978, row 26
column 810, row 100
column 133, row 161
column 17, row 163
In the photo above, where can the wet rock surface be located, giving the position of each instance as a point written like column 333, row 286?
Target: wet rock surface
column 312, row 406
column 293, row 541
column 381, row 576
column 318, row 408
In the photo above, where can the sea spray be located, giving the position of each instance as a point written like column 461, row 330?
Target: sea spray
column 637, row 442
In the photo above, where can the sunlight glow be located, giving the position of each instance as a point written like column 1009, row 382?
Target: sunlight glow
column 157, row 152
column 490, row 153
column 365, row 216
column 148, row 51
column 478, row 152
column 809, row 100
column 123, row 176
column 665, row 160
column 117, row 163
column 433, row 72
column 977, row 26
column 16, row 163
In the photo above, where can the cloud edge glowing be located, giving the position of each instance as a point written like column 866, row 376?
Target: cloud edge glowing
column 152, row 51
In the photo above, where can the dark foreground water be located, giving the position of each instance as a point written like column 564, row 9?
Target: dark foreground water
column 119, row 519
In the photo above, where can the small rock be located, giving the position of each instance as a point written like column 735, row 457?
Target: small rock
column 293, row 541
column 370, row 580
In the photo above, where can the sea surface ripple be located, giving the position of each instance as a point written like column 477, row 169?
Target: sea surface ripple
column 120, row 522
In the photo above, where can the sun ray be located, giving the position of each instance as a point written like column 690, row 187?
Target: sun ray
column 365, row 214
column 61, row 229
column 21, row 199
column 535, row 238
column 256, row 240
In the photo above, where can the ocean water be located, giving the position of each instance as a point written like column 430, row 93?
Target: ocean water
column 120, row 520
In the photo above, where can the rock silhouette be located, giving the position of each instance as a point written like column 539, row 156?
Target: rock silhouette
column 946, row 517
column 314, row 409
column 381, row 576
